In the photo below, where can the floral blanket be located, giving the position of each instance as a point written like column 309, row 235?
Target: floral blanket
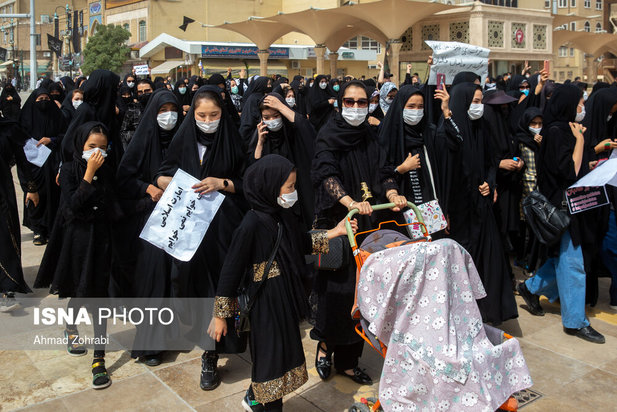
column 420, row 301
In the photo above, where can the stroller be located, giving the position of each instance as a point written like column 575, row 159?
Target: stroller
column 379, row 240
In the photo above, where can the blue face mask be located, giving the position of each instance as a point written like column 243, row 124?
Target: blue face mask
column 525, row 92
column 336, row 87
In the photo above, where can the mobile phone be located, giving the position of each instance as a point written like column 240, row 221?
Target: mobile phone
column 441, row 81
column 28, row 203
column 547, row 66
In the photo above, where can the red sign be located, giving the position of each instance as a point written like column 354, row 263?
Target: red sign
column 519, row 36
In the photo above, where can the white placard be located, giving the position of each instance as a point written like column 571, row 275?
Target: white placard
column 181, row 217
column 141, row 70
column 451, row 58
column 604, row 174
column 36, row 155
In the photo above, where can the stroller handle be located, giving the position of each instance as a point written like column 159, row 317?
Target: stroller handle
column 383, row 206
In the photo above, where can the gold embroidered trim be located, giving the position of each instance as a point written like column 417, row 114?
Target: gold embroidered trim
column 277, row 388
column 259, row 269
column 225, row 307
column 320, row 242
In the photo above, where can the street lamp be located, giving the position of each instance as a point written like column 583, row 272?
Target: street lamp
column 67, row 32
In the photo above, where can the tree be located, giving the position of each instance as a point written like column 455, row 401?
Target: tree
column 106, row 49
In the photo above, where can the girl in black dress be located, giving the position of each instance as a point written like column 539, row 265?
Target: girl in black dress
column 286, row 132
column 280, row 304
column 208, row 147
column 84, row 264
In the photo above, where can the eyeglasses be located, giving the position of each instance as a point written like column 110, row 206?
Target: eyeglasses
column 362, row 103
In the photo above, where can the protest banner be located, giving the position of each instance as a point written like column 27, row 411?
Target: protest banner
column 181, row 217
column 451, row 58
column 141, row 70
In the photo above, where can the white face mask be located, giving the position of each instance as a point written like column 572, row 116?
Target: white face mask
column 580, row 116
column 274, row 125
column 208, row 127
column 389, row 100
column 535, row 130
column 413, row 116
column 291, row 101
column 476, row 110
column 287, row 200
column 77, row 103
column 354, row 115
column 87, row 153
column 323, row 85
column 372, row 107
column 585, row 96
column 167, row 120
column 130, row 84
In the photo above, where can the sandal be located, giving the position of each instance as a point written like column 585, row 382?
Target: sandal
column 100, row 377
column 72, row 347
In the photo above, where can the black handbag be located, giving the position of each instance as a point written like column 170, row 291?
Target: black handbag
column 546, row 221
column 246, row 302
column 336, row 258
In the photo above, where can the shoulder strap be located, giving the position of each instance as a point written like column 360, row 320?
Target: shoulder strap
column 279, row 235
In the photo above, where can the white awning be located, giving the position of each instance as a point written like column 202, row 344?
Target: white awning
column 166, row 67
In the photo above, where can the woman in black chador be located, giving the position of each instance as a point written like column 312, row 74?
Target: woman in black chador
column 12, row 139
column 287, row 133
column 10, row 102
column 320, row 104
column 280, row 303
column 349, row 172
column 208, row 147
column 470, row 204
column 42, row 119
column 417, row 147
column 148, row 270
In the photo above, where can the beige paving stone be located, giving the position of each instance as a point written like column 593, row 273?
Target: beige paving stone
column 183, row 379
column 338, row 393
column 139, row 393
column 594, row 391
column 554, row 339
column 549, row 370
column 231, row 402
column 56, row 405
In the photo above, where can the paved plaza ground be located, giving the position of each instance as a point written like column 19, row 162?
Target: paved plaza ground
column 570, row 374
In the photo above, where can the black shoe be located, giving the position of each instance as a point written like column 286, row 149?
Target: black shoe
column 588, row 333
column 153, row 360
column 210, row 379
column 250, row 404
column 532, row 301
column 324, row 364
column 359, row 376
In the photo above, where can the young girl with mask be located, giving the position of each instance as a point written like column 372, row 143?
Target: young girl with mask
column 84, row 262
column 470, row 203
column 148, row 267
column 417, row 147
column 208, row 146
column 289, row 134
column 280, row 302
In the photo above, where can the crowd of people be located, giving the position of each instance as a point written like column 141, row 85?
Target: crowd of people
column 292, row 158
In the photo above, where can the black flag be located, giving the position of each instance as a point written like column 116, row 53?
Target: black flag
column 2, row 54
column 76, row 39
column 54, row 44
column 186, row 22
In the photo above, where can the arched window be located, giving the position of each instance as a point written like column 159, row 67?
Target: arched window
column 587, row 26
column 126, row 27
column 598, row 27
column 142, row 30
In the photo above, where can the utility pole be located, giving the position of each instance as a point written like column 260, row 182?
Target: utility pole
column 33, row 71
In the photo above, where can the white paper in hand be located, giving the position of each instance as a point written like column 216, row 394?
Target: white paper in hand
column 36, row 155
column 181, row 217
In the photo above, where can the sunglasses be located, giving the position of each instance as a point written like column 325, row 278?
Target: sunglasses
column 362, row 103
